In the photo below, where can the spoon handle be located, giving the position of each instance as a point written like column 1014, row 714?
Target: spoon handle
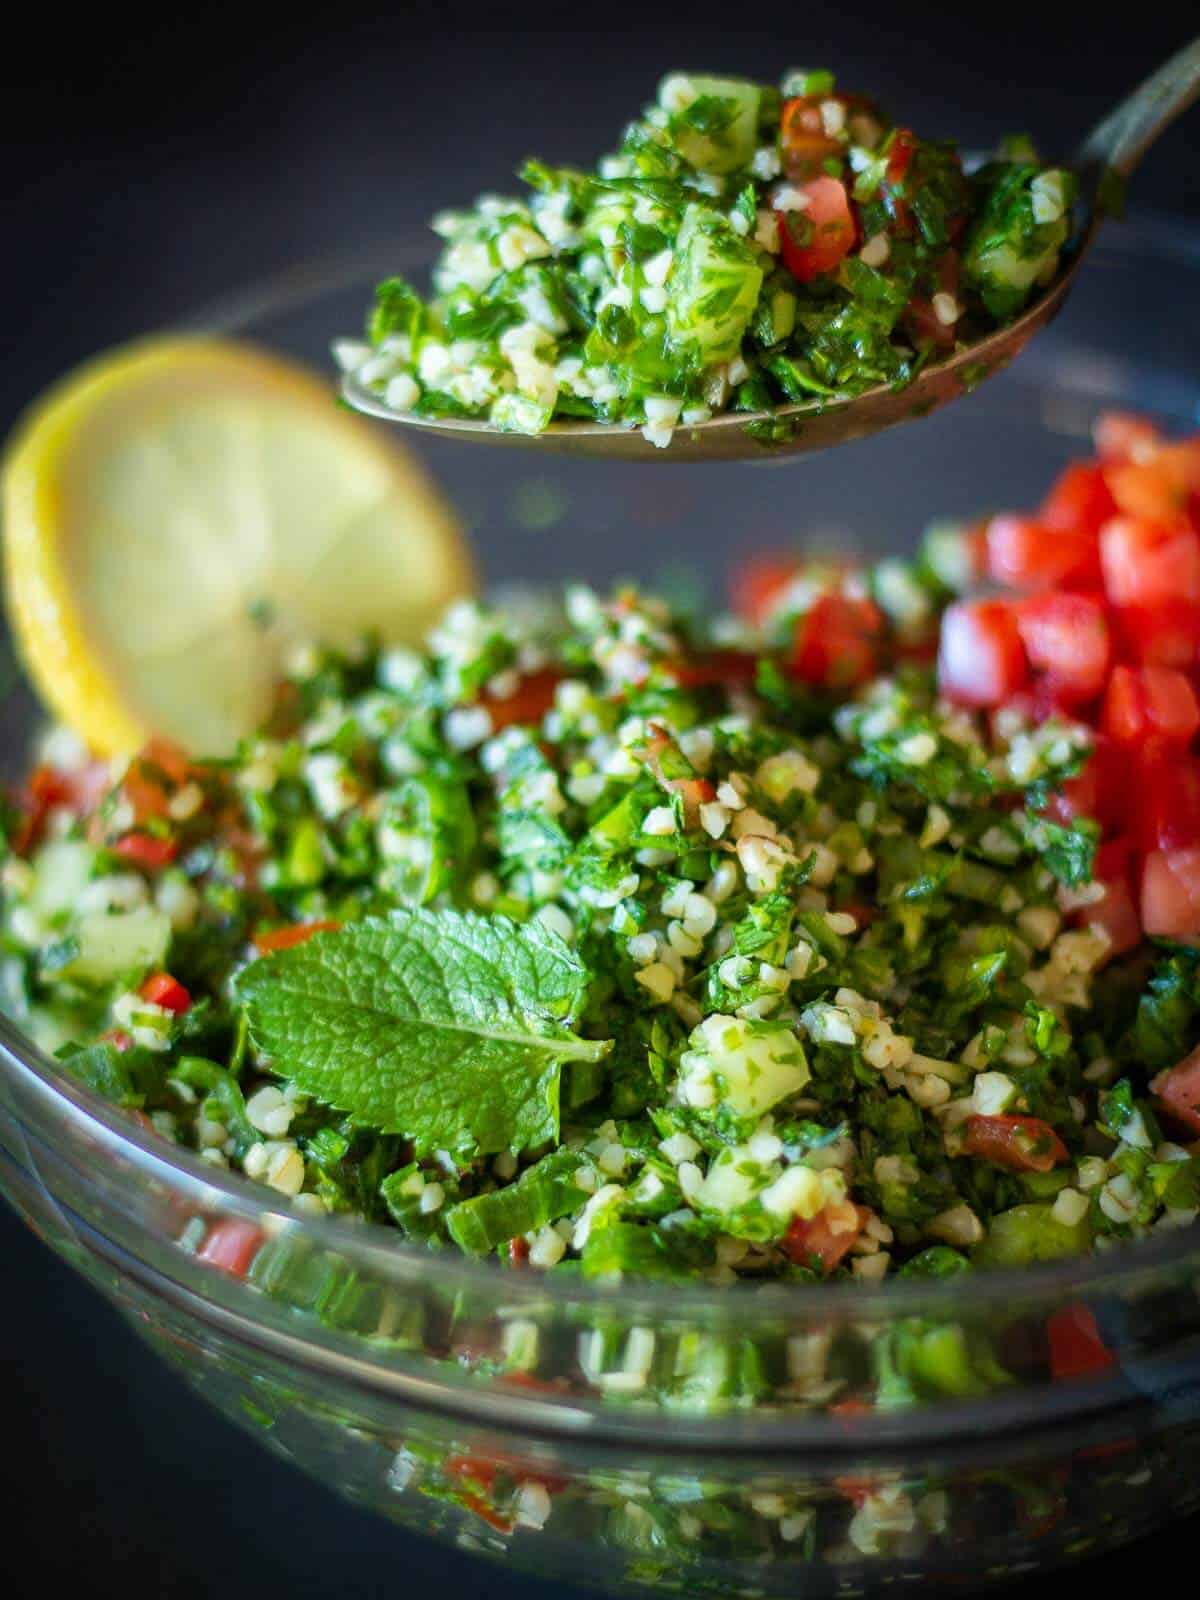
column 1119, row 142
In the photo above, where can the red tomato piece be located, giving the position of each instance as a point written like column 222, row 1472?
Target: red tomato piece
column 921, row 322
column 289, row 937
column 231, row 1245
column 120, row 1040
column 1171, row 894
column 1076, row 1348
column 1079, row 502
column 1147, row 564
column 1121, row 436
column 1022, row 1144
column 50, row 789
column 803, row 139
column 146, row 851
column 1066, row 637
column 1165, row 798
column 161, row 989
column 716, row 669
column 901, row 150
column 1177, row 1090
column 1024, row 553
column 1144, row 702
column 815, row 240
column 758, row 584
column 823, row 1240
column 529, row 701
column 1116, row 916
column 836, row 641
column 1158, row 483
column 1166, row 634
column 924, row 326
column 981, row 659
column 1099, row 790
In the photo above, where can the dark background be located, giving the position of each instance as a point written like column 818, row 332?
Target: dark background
column 151, row 168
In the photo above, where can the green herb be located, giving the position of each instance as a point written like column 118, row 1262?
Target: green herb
column 448, row 1028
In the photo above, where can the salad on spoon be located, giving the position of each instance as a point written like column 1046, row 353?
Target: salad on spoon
column 753, row 267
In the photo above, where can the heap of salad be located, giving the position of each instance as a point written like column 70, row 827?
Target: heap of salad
column 609, row 942
column 742, row 248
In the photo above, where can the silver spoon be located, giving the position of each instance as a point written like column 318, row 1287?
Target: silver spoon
column 1106, row 158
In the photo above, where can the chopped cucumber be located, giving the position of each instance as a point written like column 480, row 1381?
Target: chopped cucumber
column 714, row 121
column 110, row 947
column 714, row 287
column 1030, row 1233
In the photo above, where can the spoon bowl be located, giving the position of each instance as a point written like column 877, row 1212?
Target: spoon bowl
column 1103, row 164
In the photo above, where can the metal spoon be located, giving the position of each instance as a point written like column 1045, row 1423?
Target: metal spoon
column 1106, row 158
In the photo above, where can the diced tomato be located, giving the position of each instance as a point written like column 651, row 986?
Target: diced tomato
column 814, row 240
column 158, row 769
column 1099, row 790
column 1121, row 436
column 145, row 794
column 1171, row 894
column 823, row 1240
column 1022, row 1144
column 1177, row 1090
column 1079, row 502
column 1116, row 915
column 1162, row 635
column 662, row 756
column 1165, row 798
column 1146, row 564
column 921, row 322
column 716, row 669
column 161, row 989
column 1066, row 637
column 231, row 1245
column 169, row 759
column 287, row 938
column 481, row 1470
column 1076, row 1348
column 50, row 789
column 487, row 1513
column 529, row 701
column 118, row 1038
column 836, row 642
column 1023, row 553
column 759, row 583
column 803, row 139
column 146, row 851
column 1144, row 702
column 981, row 660
column 901, row 150
column 1159, row 483
column 924, row 326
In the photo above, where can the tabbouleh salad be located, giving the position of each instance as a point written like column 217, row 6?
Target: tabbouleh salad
column 612, row 942
column 744, row 247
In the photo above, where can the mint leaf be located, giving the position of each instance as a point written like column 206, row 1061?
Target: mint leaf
column 448, row 1028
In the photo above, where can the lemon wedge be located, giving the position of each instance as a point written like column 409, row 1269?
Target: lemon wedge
column 179, row 513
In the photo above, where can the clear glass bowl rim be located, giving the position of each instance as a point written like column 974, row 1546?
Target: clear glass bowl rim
column 1147, row 238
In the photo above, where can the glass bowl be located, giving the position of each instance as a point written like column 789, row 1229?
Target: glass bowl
column 638, row 1437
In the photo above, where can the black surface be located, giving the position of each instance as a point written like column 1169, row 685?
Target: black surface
column 150, row 171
